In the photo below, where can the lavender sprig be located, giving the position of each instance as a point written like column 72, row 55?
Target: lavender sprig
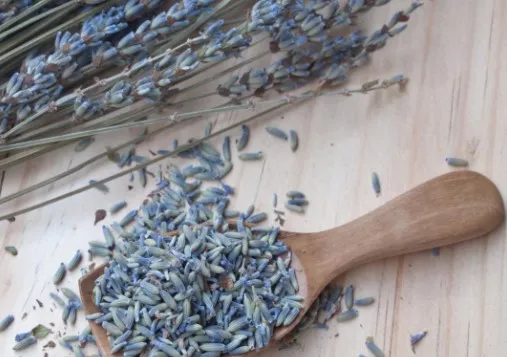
column 286, row 101
column 179, row 117
column 100, row 121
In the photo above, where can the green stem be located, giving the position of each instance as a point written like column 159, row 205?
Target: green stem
column 44, row 125
column 23, row 156
column 7, row 69
column 21, row 43
column 197, row 97
column 17, row 158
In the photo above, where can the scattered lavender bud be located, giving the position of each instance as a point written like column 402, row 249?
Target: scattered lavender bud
column 276, row 132
column 294, row 140
column 416, row 338
column 456, row 162
column 375, row 182
column 11, row 249
column 6, row 322
column 374, row 349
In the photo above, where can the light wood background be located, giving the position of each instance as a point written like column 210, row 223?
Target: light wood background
column 454, row 52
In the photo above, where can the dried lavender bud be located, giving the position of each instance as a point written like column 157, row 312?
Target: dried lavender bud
column 11, row 249
column 416, row 338
column 457, row 162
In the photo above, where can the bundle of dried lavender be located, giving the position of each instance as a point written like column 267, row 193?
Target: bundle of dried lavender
column 302, row 30
column 38, row 87
column 336, row 56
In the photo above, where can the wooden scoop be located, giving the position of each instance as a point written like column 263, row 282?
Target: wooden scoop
column 448, row 209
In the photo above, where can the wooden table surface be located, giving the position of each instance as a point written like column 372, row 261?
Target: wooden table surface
column 454, row 53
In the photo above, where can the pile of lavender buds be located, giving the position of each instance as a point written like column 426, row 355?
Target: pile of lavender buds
column 212, row 288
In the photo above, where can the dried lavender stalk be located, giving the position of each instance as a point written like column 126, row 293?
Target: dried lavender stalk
column 13, row 11
column 179, row 117
column 99, row 122
column 330, row 64
column 395, row 80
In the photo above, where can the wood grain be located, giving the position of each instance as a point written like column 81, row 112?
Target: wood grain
column 454, row 104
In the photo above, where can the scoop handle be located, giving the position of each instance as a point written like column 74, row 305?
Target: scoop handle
column 445, row 210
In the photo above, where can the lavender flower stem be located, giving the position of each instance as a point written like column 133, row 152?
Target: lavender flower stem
column 187, row 32
column 91, row 132
column 305, row 96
